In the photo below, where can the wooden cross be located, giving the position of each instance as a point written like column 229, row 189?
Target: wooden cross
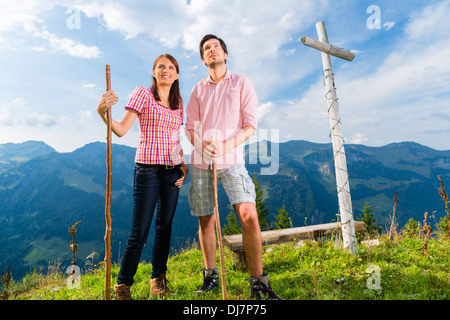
column 340, row 162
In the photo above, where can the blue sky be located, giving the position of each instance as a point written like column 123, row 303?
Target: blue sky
column 53, row 55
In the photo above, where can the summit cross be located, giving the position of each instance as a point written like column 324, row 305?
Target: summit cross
column 340, row 162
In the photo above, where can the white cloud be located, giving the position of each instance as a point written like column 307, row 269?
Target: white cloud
column 17, row 113
column 432, row 22
column 24, row 17
column 290, row 52
column 254, row 34
column 40, row 120
column 413, row 71
column 305, row 118
column 388, row 25
column 265, row 109
column 9, row 111
column 84, row 116
column 38, row 49
column 20, row 14
column 358, row 138
column 68, row 46
column 120, row 16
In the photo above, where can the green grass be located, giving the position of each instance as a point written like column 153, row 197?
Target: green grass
column 315, row 271
column 54, row 248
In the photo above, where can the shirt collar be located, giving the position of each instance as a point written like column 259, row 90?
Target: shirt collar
column 227, row 76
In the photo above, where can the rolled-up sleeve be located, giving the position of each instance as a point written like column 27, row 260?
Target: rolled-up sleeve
column 192, row 110
column 249, row 104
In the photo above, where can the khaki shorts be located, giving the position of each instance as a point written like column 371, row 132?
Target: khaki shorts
column 235, row 180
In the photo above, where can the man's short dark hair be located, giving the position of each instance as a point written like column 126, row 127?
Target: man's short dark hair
column 212, row 36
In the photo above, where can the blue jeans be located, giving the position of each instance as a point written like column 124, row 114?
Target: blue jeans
column 154, row 186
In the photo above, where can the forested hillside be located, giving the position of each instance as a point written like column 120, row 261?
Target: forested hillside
column 43, row 193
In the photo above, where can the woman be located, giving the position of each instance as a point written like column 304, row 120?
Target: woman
column 159, row 173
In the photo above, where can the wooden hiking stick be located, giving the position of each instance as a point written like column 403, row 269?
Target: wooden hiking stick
column 108, row 194
column 218, row 229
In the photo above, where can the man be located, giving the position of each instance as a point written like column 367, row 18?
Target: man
column 221, row 116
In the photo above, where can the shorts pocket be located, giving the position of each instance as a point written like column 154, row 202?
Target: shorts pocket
column 247, row 183
column 191, row 200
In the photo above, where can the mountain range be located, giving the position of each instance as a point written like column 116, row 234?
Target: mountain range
column 44, row 192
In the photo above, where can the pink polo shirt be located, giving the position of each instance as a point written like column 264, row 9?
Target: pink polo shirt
column 221, row 110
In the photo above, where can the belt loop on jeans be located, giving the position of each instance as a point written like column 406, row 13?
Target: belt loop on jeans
column 159, row 166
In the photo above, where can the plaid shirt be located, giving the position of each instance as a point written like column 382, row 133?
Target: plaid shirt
column 159, row 129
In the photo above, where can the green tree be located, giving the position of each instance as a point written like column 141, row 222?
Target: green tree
column 263, row 212
column 411, row 229
column 443, row 224
column 283, row 219
column 368, row 218
column 233, row 226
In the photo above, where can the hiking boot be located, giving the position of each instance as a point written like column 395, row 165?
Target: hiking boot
column 158, row 286
column 122, row 292
column 210, row 281
column 262, row 286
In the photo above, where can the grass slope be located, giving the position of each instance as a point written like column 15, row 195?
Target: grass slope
column 313, row 271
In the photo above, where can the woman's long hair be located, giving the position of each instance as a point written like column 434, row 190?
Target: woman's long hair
column 175, row 99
